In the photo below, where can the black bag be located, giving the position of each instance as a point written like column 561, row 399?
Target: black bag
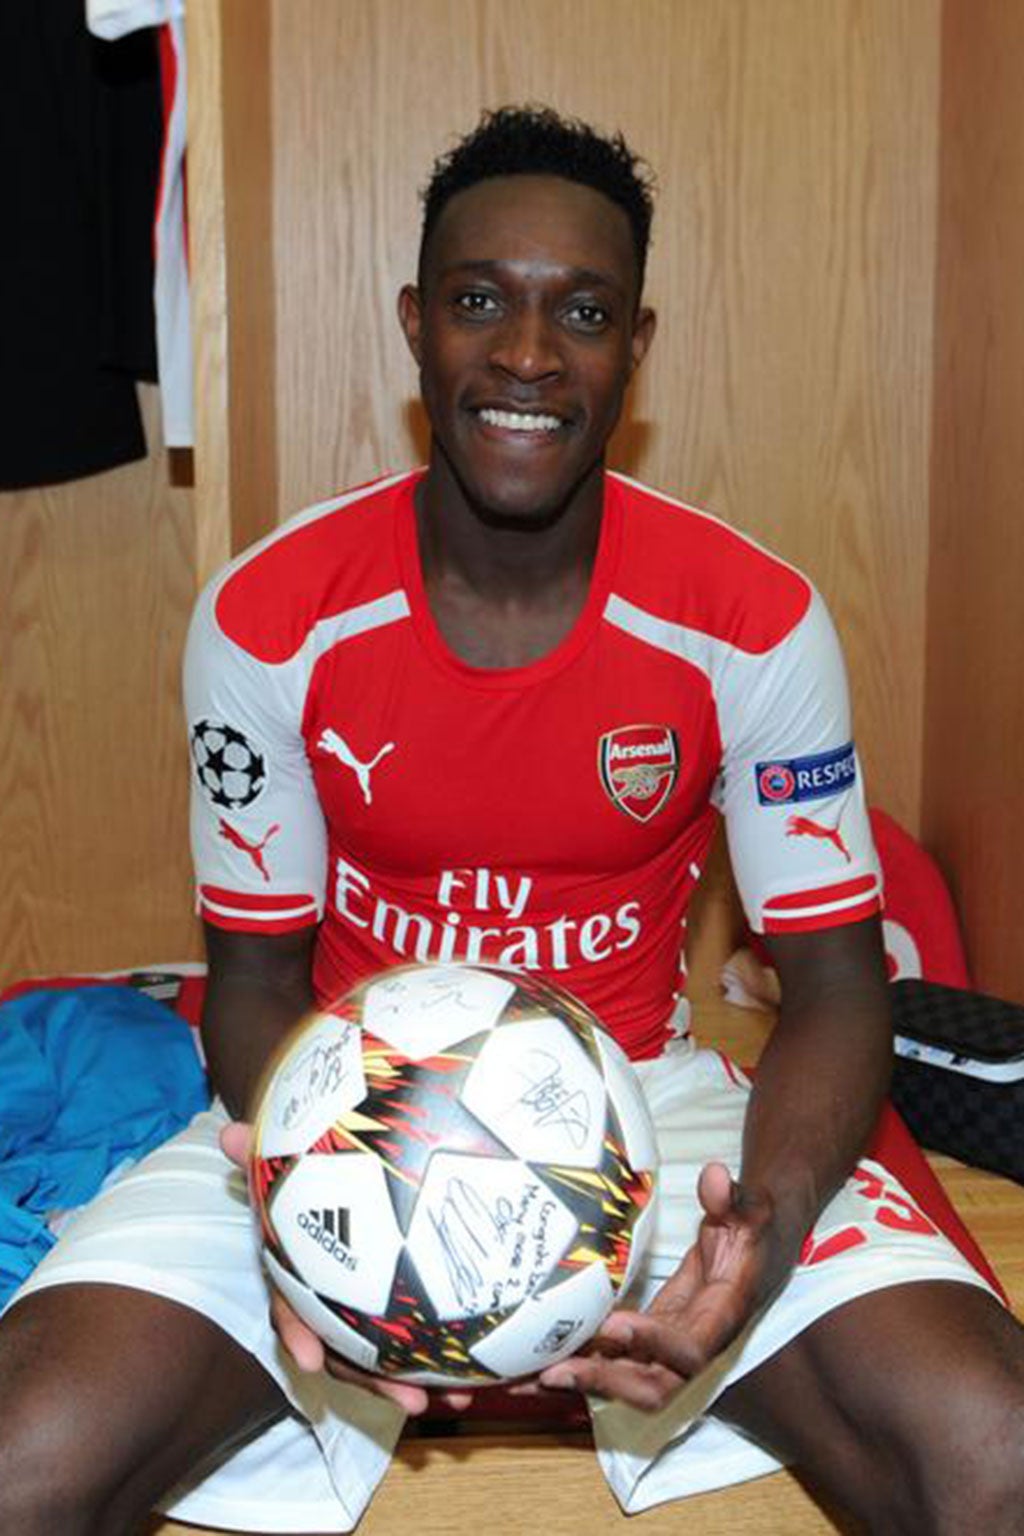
column 958, row 1077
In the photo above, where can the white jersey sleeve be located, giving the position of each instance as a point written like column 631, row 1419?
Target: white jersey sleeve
column 790, row 786
column 258, row 838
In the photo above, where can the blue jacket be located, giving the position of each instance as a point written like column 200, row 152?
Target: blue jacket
column 90, row 1078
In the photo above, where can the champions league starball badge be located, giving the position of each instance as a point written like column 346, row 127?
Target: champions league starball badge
column 231, row 770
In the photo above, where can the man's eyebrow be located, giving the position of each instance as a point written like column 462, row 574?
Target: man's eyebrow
column 588, row 277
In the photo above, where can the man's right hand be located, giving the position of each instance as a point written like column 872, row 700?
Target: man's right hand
column 309, row 1352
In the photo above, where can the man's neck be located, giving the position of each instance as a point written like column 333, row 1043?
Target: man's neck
column 504, row 595
column 511, row 557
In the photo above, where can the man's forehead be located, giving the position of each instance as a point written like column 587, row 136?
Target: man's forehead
column 534, row 221
column 536, row 262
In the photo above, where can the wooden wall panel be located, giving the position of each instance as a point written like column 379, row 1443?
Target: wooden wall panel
column 96, row 584
column 231, row 264
column 789, row 386
column 209, row 288
column 973, row 796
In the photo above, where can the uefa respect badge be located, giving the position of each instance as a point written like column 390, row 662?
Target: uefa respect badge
column 787, row 781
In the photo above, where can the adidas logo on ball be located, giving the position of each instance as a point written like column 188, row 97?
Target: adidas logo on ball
column 330, row 1228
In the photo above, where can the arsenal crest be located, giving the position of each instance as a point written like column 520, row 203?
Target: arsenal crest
column 639, row 765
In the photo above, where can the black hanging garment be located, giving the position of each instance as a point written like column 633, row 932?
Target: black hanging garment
column 80, row 137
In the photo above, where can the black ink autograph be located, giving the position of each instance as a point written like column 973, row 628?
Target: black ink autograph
column 551, row 1101
column 442, row 993
column 317, row 1072
column 484, row 1244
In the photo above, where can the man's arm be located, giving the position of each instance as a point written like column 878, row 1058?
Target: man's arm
column 818, row 1092
column 821, row 1080
column 259, row 986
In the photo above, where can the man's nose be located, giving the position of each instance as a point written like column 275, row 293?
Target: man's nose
column 526, row 346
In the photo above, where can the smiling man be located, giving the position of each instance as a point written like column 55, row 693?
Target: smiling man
column 492, row 710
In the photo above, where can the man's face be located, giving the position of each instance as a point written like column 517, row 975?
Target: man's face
column 526, row 330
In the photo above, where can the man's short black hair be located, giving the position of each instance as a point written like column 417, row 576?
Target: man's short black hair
column 538, row 141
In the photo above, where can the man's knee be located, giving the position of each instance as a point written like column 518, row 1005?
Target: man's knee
column 48, row 1481
column 108, row 1397
column 933, row 1440
column 964, row 1468
column 974, row 1478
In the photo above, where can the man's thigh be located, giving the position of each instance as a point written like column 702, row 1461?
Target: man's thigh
column 110, row 1397
column 141, row 1345
column 899, row 1398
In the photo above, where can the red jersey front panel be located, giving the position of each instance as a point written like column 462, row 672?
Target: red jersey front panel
column 553, row 817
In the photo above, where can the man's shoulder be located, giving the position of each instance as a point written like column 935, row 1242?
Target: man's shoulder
column 688, row 567
column 332, row 558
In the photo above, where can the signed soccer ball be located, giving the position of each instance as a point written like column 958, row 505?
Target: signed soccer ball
column 454, row 1171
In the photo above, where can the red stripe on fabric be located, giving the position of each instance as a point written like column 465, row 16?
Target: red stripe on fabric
column 895, row 1148
column 190, row 999
column 237, row 924
column 168, row 85
column 732, row 1071
column 815, row 920
column 831, row 1247
column 252, row 901
column 34, row 983
column 822, row 894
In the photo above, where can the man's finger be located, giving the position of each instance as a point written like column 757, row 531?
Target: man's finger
column 648, row 1387
column 715, row 1190
column 236, row 1142
column 301, row 1342
column 682, row 1345
column 411, row 1399
column 310, row 1354
column 679, row 1289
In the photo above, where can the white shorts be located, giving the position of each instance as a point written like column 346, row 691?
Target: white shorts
column 178, row 1225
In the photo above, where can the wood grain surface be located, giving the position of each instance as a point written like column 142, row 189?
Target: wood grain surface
column 96, row 585
column 532, row 1485
column 231, row 262
column 974, row 745
column 207, row 235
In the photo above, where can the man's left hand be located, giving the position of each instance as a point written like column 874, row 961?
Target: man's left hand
column 643, row 1358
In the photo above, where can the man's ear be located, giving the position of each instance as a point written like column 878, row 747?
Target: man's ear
column 410, row 318
column 644, row 326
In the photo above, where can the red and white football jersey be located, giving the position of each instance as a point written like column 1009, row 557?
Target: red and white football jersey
column 350, row 769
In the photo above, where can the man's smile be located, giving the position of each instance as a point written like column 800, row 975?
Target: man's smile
column 519, row 423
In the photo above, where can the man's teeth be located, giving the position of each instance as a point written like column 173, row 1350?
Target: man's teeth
column 519, row 421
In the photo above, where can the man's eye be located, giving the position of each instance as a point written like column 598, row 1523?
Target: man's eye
column 479, row 305
column 589, row 317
